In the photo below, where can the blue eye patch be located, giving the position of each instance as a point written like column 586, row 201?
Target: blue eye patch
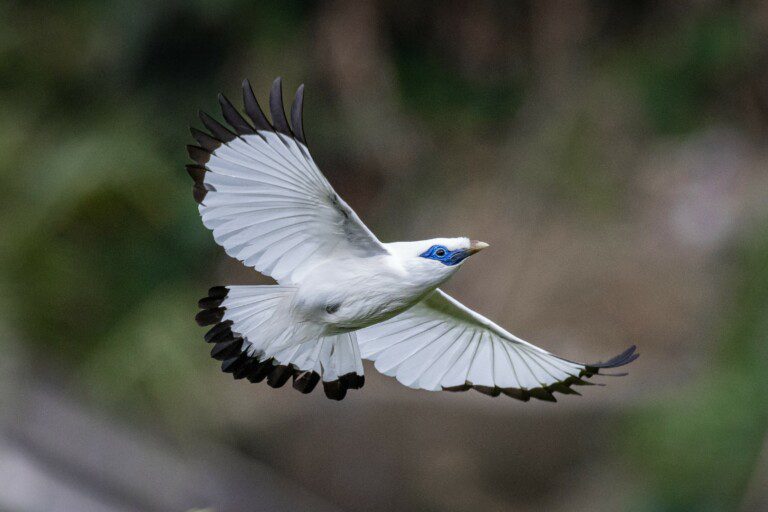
column 444, row 256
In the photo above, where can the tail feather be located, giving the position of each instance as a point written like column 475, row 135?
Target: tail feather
column 248, row 338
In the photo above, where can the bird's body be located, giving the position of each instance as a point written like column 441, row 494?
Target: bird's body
column 354, row 293
column 351, row 293
column 341, row 293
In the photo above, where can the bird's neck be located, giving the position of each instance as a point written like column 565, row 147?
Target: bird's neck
column 423, row 276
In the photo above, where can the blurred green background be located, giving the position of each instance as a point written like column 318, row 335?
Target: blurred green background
column 613, row 154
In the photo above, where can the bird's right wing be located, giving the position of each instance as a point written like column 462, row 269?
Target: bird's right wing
column 264, row 197
column 441, row 344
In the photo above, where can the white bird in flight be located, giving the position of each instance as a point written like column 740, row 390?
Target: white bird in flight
column 342, row 295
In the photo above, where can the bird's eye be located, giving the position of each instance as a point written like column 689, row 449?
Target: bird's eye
column 440, row 253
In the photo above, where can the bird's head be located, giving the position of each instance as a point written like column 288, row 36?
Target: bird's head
column 438, row 258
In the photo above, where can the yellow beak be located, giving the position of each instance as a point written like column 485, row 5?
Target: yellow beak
column 476, row 246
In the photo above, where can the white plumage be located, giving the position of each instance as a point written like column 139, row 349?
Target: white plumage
column 341, row 293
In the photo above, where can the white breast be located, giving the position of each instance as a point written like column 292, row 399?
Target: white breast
column 354, row 293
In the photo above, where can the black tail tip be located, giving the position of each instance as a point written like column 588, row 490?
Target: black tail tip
column 218, row 292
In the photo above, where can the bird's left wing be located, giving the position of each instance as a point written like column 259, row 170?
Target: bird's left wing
column 264, row 197
column 441, row 344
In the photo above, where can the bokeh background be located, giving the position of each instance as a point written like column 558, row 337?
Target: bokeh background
column 613, row 154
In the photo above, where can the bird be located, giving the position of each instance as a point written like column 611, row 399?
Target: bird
column 342, row 295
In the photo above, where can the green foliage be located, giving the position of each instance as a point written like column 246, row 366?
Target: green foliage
column 440, row 94
column 683, row 72
column 700, row 447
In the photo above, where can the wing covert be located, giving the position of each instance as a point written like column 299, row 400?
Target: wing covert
column 263, row 196
column 441, row 344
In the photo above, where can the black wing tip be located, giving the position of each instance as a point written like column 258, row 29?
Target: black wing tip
column 277, row 110
column 233, row 117
column 297, row 115
column 198, row 154
column 205, row 140
column 218, row 130
column 622, row 359
column 544, row 393
column 253, row 109
column 197, row 173
column 219, row 134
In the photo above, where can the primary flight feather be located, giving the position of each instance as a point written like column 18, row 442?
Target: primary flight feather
column 342, row 295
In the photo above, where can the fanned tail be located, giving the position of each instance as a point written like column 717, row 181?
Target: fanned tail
column 247, row 328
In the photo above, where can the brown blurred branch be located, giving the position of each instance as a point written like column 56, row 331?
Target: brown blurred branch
column 360, row 68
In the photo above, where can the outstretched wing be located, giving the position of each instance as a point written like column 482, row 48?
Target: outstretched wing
column 263, row 196
column 441, row 344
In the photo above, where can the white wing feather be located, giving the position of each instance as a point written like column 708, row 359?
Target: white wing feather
column 441, row 344
column 265, row 199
